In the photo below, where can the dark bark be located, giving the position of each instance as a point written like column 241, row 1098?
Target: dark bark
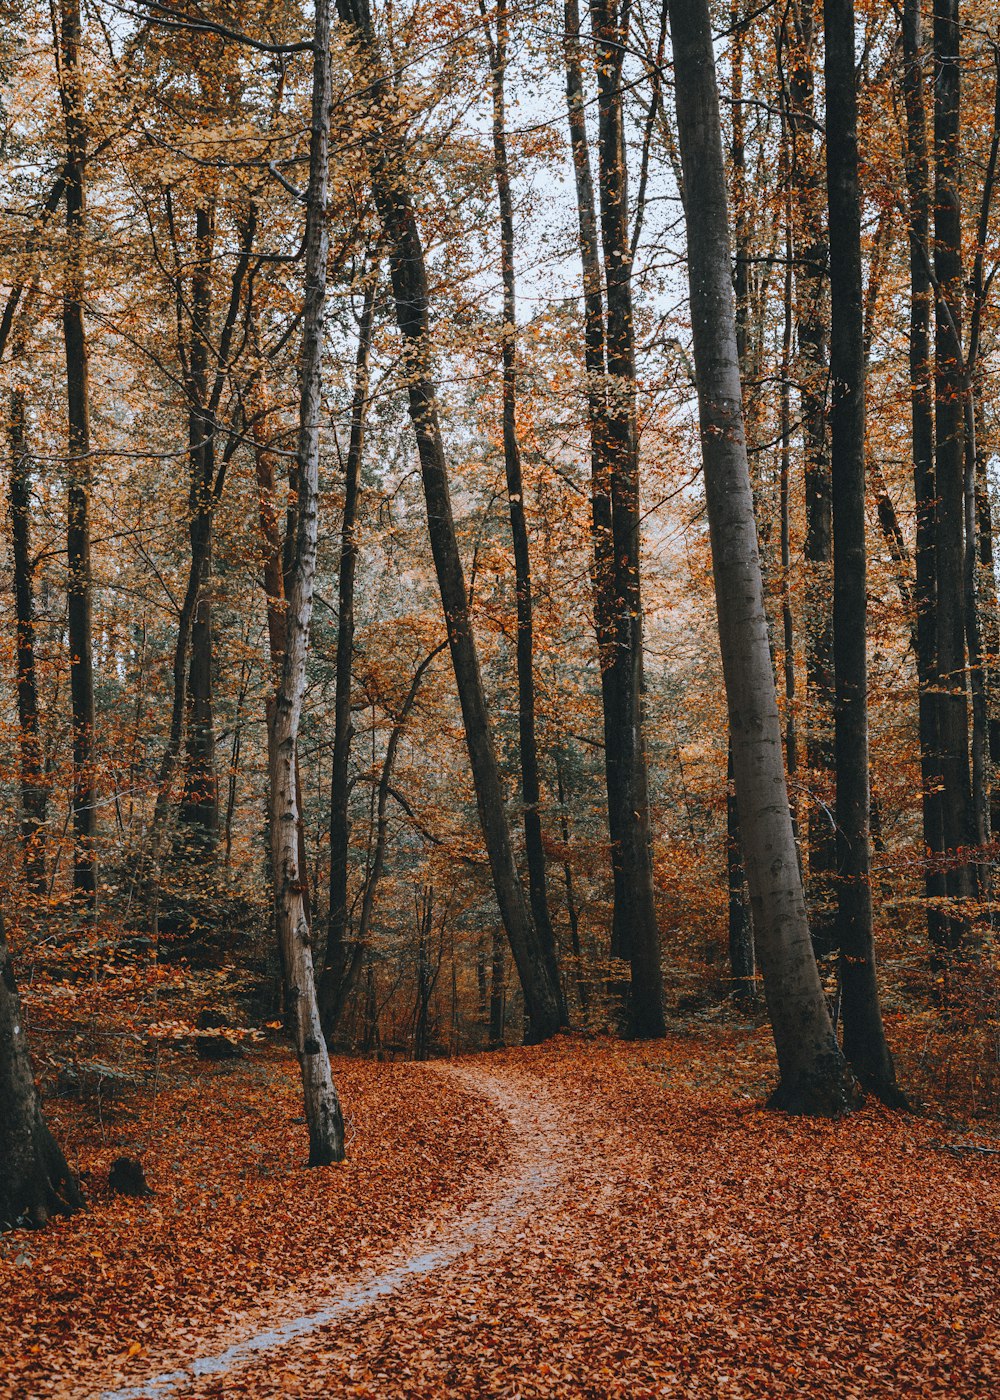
column 339, row 978
column 595, row 361
column 814, row 349
column 958, row 826
column 338, row 953
column 636, row 935
column 79, row 465
column 528, row 744
column 864, row 1036
column 199, row 810
column 387, row 166
column 922, row 431
column 572, row 912
column 35, row 1180
column 814, row 1075
column 742, row 963
column 34, row 784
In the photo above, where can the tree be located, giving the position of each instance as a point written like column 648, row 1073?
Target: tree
column 80, row 467
column 394, row 202
column 35, row 1181
column 864, row 1035
column 814, row 1076
column 323, row 1113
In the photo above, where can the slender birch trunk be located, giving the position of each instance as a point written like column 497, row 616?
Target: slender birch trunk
column 814, row 1075
column 323, row 1114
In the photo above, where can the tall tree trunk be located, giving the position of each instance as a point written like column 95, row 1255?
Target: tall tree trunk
column 595, row 361
column 35, row 1181
column 864, row 1035
column 922, row 431
column 323, row 1114
column 34, row 787
column 199, row 810
column 741, row 950
column 572, row 912
column 339, row 956
column 813, row 343
column 635, row 910
column 814, row 1075
column 958, row 825
column 79, row 465
column 387, row 166
column 528, row 745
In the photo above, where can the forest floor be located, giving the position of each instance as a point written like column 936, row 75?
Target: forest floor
column 581, row 1219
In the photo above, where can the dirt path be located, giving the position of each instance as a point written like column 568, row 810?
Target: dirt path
column 526, row 1185
column 652, row 1235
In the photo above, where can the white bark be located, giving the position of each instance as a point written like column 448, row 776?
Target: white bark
column 323, row 1115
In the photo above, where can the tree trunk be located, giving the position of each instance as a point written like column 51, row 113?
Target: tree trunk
column 35, row 1181
column 814, row 1075
column 864, row 1035
column 958, row 826
column 79, row 466
column 199, row 810
column 635, row 926
column 387, row 166
column 813, row 360
column 742, row 964
column 323, row 1114
column 595, row 361
column 34, row 786
column 338, row 959
column 922, row 430
column 528, row 745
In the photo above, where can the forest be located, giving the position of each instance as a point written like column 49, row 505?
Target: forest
column 499, row 698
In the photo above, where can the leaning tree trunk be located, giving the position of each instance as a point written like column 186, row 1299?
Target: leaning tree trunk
column 814, row 1075
column 949, row 389
column 323, row 1114
column 79, row 465
column 35, row 1181
column 387, row 165
column 864, row 1035
column 527, row 737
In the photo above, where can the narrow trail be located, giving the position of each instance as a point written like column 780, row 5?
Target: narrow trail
column 532, row 1173
column 654, row 1234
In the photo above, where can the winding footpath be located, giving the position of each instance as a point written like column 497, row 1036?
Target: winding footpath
column 653, row 1234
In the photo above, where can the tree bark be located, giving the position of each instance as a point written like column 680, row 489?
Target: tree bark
column 34, row 785
column 813, row 358
column 635, row 935
column 864, row 1035
column 528, row 744
column 922, row 447
column 79, row 466
column 958, row 827
column 35, row 1181
column 387, row 167
column 323, row 1113
column 199, row 811
column 814, row 1075
column 338, row 958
